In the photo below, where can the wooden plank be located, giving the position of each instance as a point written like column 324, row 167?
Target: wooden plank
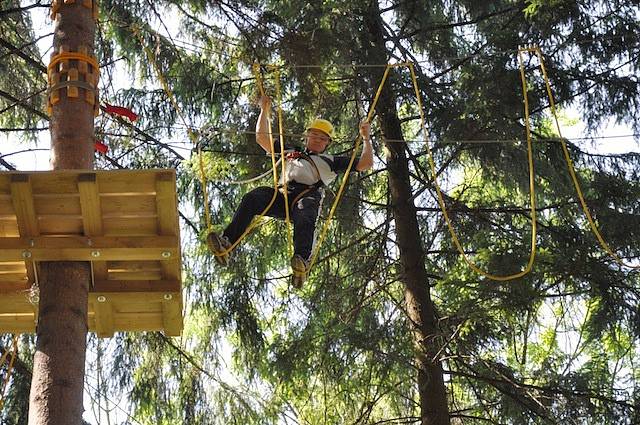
column 171, row 270
column 100, row 271
column 166, row 204
column 15, row 286
column 6, row 208
column 84, row 254
column 12, row 266
column 60, row 225
column 103, row 317
column 136, row 275
column 129, row 182
column 116, row 266
column 142, row 300
column 16, row 302
column 136, row 286
column 17, row 325
column 57, row 205
column 123, row 226
column 99, row 248
column 5, row 183
column 140, row 205
column 90, row 204
column 9, row 228
column 22, row 198
column 97, row 242
column 172, row 316
column 138, row 322
column 13, row 277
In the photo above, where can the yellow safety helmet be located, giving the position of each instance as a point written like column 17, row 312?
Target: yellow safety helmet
column 322, row 125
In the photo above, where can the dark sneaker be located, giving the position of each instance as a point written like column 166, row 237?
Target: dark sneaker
column 300, row 269
column 219, row 246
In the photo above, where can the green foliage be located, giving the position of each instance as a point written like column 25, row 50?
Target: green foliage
column 555, row 346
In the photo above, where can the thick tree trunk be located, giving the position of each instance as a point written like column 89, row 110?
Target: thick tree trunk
column 58, row 366
column 431, row 389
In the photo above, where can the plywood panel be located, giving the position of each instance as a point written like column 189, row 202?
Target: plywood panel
column 124, row 222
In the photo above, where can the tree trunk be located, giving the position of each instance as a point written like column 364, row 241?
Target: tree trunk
column 58, row 366
column 431, row 389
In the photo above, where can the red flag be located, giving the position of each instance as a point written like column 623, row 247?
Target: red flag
column 120, row 110
column 101, row 147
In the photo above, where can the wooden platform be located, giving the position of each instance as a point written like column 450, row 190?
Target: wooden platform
column 124, row 222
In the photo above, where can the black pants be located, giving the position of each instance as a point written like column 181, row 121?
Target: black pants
column 303, row 214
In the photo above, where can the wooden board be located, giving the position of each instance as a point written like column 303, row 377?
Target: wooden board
column 124, row 222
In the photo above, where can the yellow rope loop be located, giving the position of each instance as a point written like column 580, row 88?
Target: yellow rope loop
column 441, row 201
column 192, row 135
column 7, row 377
column 345, row 177
column 285, row 192
column 254, row 223
column 572, row 172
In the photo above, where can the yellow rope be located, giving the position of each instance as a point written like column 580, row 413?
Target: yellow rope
column 441, row 202
column 285, row 191
column 192, row 135
column 7, row 377
column 72, row 56
column 572, row 172
column 255, row 222
column 345, row 177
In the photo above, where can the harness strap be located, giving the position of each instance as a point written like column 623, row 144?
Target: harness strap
column 301, row 194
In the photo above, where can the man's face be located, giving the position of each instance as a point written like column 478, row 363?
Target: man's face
column 317, row 140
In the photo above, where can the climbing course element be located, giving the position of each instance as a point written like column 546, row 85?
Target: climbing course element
column 124, row 222
column 75, row 72
column 572, row 172
column 274, row 166
column 345, row 177
column 441, row 202
column 7, row 376
column 89, row 4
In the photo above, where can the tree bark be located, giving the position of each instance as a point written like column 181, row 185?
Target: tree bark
column 420, row 310
column 58, row 366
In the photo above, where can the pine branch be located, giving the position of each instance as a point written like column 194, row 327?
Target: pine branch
column 17, row 50
column 24, row 105
column 23, row 9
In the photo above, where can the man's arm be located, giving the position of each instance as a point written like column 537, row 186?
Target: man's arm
column 263, row 126
column 366, row 157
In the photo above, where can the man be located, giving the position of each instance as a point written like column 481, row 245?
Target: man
column 307, row 172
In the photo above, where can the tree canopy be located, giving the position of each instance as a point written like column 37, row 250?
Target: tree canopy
column 557, row 345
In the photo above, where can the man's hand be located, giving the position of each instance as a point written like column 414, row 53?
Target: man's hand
column 366, row 157
column 365, row 130
column 264, row 103
column 263, row 125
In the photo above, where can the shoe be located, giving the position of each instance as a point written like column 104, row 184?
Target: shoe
column 219, row 246
column 299, row 266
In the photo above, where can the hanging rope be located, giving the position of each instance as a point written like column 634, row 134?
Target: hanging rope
column 345, row 177
column 194, row 138
column 274, row 167
column 572, row 172
column 441, row 202
column 7, row 377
